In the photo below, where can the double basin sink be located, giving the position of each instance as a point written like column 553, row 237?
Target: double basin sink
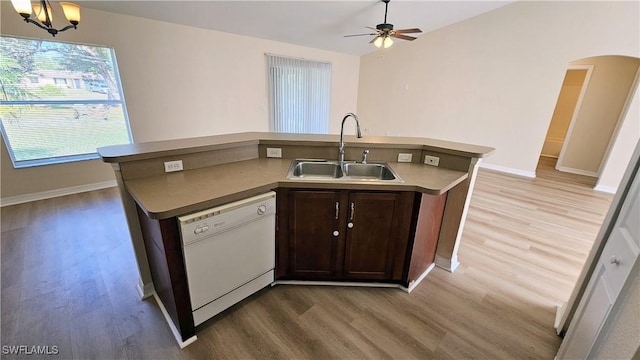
column 305, row 169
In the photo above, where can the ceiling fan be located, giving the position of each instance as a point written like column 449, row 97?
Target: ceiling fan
column 384, row 32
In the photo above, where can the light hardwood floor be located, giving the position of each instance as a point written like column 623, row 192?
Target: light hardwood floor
column 68, row 280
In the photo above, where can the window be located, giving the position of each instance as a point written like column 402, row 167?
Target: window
column 55, row 120
column 60, row 81
column 299, row 94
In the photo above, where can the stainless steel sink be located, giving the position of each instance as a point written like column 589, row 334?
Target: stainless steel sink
column 316, row 169
column 369, row 171
column 306, row 169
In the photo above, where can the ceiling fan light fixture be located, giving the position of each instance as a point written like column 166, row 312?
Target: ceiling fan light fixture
column 378, row 42
column 383, row 41
column 387, row 42
column 385, row 32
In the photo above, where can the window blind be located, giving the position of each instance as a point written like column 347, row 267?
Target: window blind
column 299, row 95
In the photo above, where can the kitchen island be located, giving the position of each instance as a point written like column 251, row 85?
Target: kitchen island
column 429, row 207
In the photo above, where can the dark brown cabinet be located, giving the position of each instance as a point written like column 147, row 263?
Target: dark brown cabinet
column 335, row 235
column 376, row 235
column 314, row 245
column 343, row 235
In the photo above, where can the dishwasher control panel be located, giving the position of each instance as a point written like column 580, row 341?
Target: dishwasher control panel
column 200, row 225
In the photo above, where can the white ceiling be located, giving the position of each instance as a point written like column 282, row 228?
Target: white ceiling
column 319, row 24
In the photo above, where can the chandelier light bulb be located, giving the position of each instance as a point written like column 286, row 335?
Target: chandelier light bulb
column 44, row 14
column 71, row 12
column 23, row 7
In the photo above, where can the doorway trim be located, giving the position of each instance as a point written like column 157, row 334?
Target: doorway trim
column 621, row 117
column 572, row 122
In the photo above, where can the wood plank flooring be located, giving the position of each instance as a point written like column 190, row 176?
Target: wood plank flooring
column 69, row 276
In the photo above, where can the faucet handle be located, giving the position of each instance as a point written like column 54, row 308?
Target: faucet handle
column 364, row 156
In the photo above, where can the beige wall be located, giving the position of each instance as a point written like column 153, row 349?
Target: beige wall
column 563, row 112
column 620, row 154
column 178, row 82
column 607, row 92
column 493, row 79
column 15, row 182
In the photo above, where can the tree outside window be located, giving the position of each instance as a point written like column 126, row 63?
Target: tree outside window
column 59, row 101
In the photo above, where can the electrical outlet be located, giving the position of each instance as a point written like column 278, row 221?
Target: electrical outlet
column 404, row 157
column 170, row 166
column 431, row 160
column 274, row 152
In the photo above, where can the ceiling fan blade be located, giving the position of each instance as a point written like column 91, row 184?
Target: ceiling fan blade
column 359, row 35
column 408, row 31
column 372, row 40
column 372, row 28
column 403, row 37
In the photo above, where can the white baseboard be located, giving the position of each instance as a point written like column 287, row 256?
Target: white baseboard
column 560, row 309
column 549, row 156
column 174, row 330
column 416, row 282
column 336, row 283
column 606, row 189
column 145, row 290
column 19, row 199
column 508, row 170
column 448, row 264
column 577, row 171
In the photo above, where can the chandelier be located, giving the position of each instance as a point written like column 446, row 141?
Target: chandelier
column 44, row 13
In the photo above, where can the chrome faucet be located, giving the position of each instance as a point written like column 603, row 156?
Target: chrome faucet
column 341, row 147
column 364, row 156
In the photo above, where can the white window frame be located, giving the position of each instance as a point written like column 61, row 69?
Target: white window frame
column 118, row 101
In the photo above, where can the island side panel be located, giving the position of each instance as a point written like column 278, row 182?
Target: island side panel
column 145, row 283
column 428, row 224
column 166, row 262
column 455, row 214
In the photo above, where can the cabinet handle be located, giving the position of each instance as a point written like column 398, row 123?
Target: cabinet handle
column 353, row 210
column 615, row 260
column 337, row 210
column 336, row 233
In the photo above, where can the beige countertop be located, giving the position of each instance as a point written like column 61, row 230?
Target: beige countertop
column 147, row 150
column 180, row 193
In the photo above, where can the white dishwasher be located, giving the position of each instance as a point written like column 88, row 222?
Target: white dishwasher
column 229, row 253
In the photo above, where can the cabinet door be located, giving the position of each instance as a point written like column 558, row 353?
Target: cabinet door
column 316, row 240
column 377, row 234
